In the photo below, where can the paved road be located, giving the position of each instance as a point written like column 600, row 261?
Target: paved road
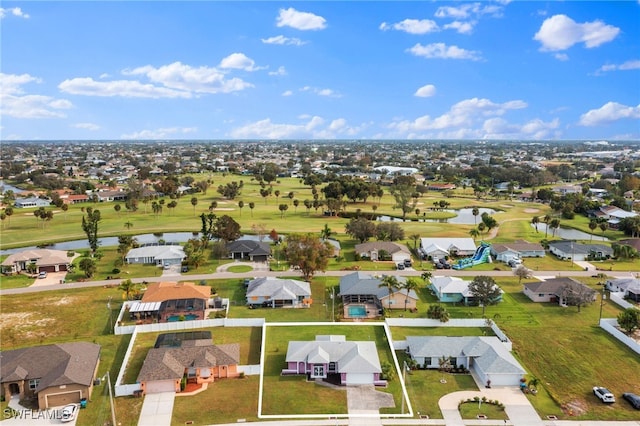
column 261, row 273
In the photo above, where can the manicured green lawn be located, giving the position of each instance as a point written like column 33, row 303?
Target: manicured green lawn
column 224, row 401
column 239, row 268
column 470, row 410
column 282, row 394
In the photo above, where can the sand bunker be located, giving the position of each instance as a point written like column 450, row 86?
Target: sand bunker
column 531, row 210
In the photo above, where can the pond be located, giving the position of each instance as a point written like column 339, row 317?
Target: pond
column 463, row 217
column 569, row 234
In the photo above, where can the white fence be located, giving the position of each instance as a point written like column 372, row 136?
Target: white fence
column 610, row 324
column 129, row 389
column 618, row 298
column 409, row 322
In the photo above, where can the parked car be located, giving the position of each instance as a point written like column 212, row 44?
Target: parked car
column 604, row 394
column 184, row 269
column 69, row 413
column 633, row 399
column 42, row 274
column 514, row 262
column 407, row 263
column 400, row 266
column 438, row 265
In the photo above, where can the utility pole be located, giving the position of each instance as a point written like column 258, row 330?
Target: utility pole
column 113, row 410
column 602, row 297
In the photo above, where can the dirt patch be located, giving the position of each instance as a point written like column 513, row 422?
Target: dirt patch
column 506, row 206
column 531, row 210
column 575, row 408
column 224, row 209
column 64, row 301
column 24, row 324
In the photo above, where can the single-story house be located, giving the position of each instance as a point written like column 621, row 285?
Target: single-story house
column 516, row 250
column 571, row 250
column 437, row 248
column 367, row 293
column 629, row 286
column 558, row 290
column 110, row 195
column 46, row 260
column 335, row 245
column 455, row 290
column 52, row 375
column 199, row 361
column 350, row 362
column 171, row 301
column 275, row 292
column 156, row 255
column 255, row 251
column 486, row 356
column 371, row 250
column 23, row 203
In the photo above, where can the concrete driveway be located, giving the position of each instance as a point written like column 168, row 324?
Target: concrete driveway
column 364, row 403
column 157, row 409
column 52, row 278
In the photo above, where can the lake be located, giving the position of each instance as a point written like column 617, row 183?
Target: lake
column 463, row 217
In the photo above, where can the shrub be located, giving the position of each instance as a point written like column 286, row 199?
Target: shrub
column 115, row 271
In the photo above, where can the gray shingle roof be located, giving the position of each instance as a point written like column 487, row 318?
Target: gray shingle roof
column 278, row 289
column 54, row 365
column 365, row 284
column 351, row 356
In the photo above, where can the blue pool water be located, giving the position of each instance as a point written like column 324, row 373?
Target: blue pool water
column 357, row 311
column 188, row 317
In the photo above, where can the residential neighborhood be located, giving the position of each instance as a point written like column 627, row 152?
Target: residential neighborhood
column 211, row 283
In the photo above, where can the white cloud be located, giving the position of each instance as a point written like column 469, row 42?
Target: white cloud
column 560, row 32
column 467, row 10
column 499, row 128
column 625, row 66
column 608, row 113
column 86, row 126
column 287, row 93
column 412, row 26
column 426, row 91
column 190, row 79
column 461, row 27
column 162, row 133
column 13, row 11
column 561, row 56
column 321, row 92
column 310, row 127
column 280, row 71
column 465, row 114
column 280, row 39
column 239, row 61
column 300, row 20
column 441, row 50
column 15, row 103
column 126, row 88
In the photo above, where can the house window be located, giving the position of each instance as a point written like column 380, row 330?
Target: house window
column 33, row 383
column 332, row 366
column 540, row 294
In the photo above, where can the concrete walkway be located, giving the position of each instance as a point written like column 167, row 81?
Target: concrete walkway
column 157, row 409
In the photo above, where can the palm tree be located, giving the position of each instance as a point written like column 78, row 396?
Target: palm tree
column 325, row 232
column 128, row 225
column 240, row 206
column 415, row 238
column 409, row 284
column 390, row 282
column 252, row 205
column 592, row 226
column 603, row 227
column 426, row 276
column 555, row 224
column 194, row 203
column 546, row 219
column 474, row 233
column 475, row 212
column 127, row 287
column 535, row 221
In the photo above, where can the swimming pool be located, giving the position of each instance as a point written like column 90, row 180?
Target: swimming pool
column 188, row 317
column 357, row 311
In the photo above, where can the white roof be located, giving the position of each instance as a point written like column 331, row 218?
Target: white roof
column 465, row 244
column 158, row 252
column 145, row 306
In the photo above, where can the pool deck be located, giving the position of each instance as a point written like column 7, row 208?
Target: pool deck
column 371, row 312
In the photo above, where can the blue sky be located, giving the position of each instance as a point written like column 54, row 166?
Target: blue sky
column 166, row 70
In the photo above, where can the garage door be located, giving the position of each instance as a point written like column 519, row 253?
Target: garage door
column 158, row 386
column 359, row 379
column 60, row 399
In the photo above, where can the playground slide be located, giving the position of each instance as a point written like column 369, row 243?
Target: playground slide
column 482, row 255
